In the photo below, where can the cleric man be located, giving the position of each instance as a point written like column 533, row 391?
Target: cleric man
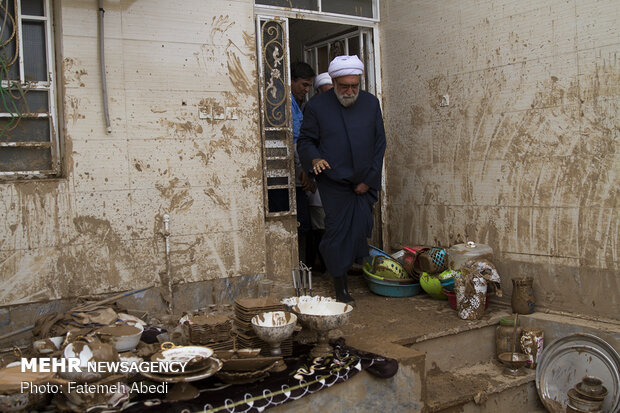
column 342, row 142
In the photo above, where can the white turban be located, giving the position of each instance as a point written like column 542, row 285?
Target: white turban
column 345, row 65
column 322, row 79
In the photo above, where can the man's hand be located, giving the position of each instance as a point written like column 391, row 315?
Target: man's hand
column 319, row 165
column 361, row 188
column 307, row 184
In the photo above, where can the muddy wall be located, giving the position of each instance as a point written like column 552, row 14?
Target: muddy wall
column 185, row 142
column 524, row 156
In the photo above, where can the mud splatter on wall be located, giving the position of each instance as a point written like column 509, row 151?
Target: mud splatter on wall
column 525, row 156
column 99, row 227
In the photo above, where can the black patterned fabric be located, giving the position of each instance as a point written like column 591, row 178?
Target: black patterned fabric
column 304, row 376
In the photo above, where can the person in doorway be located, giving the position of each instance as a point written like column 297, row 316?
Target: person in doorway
column 342, row 143
column 302, row 77
column 322, row 83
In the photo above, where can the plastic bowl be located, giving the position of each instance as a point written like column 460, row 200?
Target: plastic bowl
column 374, row 251
column 391, row 289
column 432, row 285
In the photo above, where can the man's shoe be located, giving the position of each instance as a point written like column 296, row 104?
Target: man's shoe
column 340, row 285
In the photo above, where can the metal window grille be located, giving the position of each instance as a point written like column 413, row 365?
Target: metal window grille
column 358, row 42
column 276, row 118
column 29, row 144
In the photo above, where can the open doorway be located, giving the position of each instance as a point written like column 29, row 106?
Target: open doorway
column 318, row 43
column 285, row 35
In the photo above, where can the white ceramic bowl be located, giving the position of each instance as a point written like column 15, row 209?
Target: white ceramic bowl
column 48, row 345
column 121, row 342
column 290, row 302
column 274, row 326
column 88, row 352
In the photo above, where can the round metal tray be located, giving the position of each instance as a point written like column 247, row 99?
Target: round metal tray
column 564, row 363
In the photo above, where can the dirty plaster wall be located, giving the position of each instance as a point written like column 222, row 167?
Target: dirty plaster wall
column 525, row 157
column 99, row 228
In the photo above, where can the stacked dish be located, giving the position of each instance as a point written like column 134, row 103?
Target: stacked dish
column 199, row 360
column 386, row 277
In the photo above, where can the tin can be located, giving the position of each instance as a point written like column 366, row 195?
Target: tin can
column 532, row 340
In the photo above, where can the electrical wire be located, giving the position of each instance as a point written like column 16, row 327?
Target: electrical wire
column 14, row 91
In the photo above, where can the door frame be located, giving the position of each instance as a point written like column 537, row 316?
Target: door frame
column 362, row 22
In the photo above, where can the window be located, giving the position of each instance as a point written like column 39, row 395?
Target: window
column 29, row 145
column 357, row 8
column 357, row 42
column 276, row 120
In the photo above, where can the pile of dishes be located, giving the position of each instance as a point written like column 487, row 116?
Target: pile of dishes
column 13, row 397
column 212, row 330
column 579, row 355
column 386, row 276
column 245, row 310
column 587, row 396
column 200, row 363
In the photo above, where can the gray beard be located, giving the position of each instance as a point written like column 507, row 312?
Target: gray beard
column 346, row 101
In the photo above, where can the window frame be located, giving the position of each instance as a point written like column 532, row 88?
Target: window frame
column 49, row 86
column 285, row 128
column 293, row 12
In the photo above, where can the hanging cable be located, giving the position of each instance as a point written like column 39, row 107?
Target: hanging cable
column 104, row 87
column 14, row 91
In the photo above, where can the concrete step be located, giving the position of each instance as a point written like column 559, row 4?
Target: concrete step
column 470, row 343
column 481, row 388
column 556, row 326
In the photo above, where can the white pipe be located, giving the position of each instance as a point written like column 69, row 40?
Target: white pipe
column 104, row 87
column 168, row 270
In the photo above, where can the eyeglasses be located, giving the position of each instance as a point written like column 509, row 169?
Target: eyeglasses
column 345, row 86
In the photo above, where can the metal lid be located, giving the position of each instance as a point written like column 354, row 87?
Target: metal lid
column 565, row 361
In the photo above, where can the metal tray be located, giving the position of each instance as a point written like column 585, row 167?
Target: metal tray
column 564, row 363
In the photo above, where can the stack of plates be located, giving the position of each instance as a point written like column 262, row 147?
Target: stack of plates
column 245, row 309
column 212, row 329
column 222, row 345
column 199, row 360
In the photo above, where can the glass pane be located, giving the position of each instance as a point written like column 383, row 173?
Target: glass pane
column 35, row 67
column 336, row 49
column 278, row 164
column 277, row 180
column 323, row 59
column 276, row 152
column 9, row 66
column 354, row 46
column 278, row 200
column 273, row 135
column 296, row 4
column 24, row 130
column 360, row 8
column 12, row 101
column 25, row 159
column 32, row 7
